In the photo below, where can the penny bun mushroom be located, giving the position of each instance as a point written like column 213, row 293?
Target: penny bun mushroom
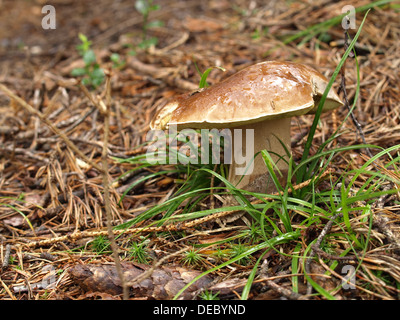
column 262, row 97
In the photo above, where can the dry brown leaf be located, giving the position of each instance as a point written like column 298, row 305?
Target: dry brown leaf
column 163, row 284
column 15, row 221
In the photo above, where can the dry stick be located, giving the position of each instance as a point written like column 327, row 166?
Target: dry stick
column 6, row 260
column 346, row 101
column 322, row 253
column 11, row 150
column 285, row 292
column 167, row 74
column 91, row 234
column 98, row 103
column 297, row 186
column 7, row 290
column 166, row 228
column 57, row 131
column 381, row 221
column 317, row 244
column 106, row 187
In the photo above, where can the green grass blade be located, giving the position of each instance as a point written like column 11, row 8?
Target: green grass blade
column 267, row 244
column 295, row 267
column 250, row 279
column 203, row 81
column 310, row 137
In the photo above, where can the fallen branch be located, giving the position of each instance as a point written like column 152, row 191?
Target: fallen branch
column 106, row 185
column 346, row 101
column 317, row 244
column 6, row 260
column 169, row 75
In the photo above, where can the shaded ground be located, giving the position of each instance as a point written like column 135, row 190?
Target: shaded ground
column 45, row 192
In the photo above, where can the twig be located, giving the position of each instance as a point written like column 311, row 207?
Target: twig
column 167, row 74
column 182, row 39
column 346, row 101
column 7, row 290
column 80, row 120
column 6, row 130
column 285, row 292
column 106, row 187
column 381, row 221
column 317, row 244
column 272, row 283
column 92, row 234
column 322, row 253
column 6, row 260
column 11, row 150
column 98, row 103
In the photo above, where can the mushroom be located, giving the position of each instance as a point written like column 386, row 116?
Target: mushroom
column 262, row 97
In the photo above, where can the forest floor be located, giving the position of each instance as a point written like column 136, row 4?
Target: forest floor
column 55, row 141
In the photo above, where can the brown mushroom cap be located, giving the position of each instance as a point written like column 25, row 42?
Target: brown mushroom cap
column 264, row 91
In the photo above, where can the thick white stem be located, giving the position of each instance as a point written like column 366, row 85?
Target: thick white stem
column 268, row 135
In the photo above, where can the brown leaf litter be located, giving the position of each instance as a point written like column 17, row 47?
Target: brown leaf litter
column 52, row 191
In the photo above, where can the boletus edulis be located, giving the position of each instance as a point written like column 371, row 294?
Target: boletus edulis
column 262, row 97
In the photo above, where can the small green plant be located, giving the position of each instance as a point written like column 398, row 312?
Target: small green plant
column 203, row 81
column 92, row 73
column 219, row 254
column 237, row 250
column 328, row 247
column 118, row 63
column 192, row 257
column 207, row 295
column 100, row 244
column 145, row 7
column 203, row 76
column 45, row 295
column 138, row 253
column 259, row 33
column 12, row 260
column 18, row 267
column 255, row 232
